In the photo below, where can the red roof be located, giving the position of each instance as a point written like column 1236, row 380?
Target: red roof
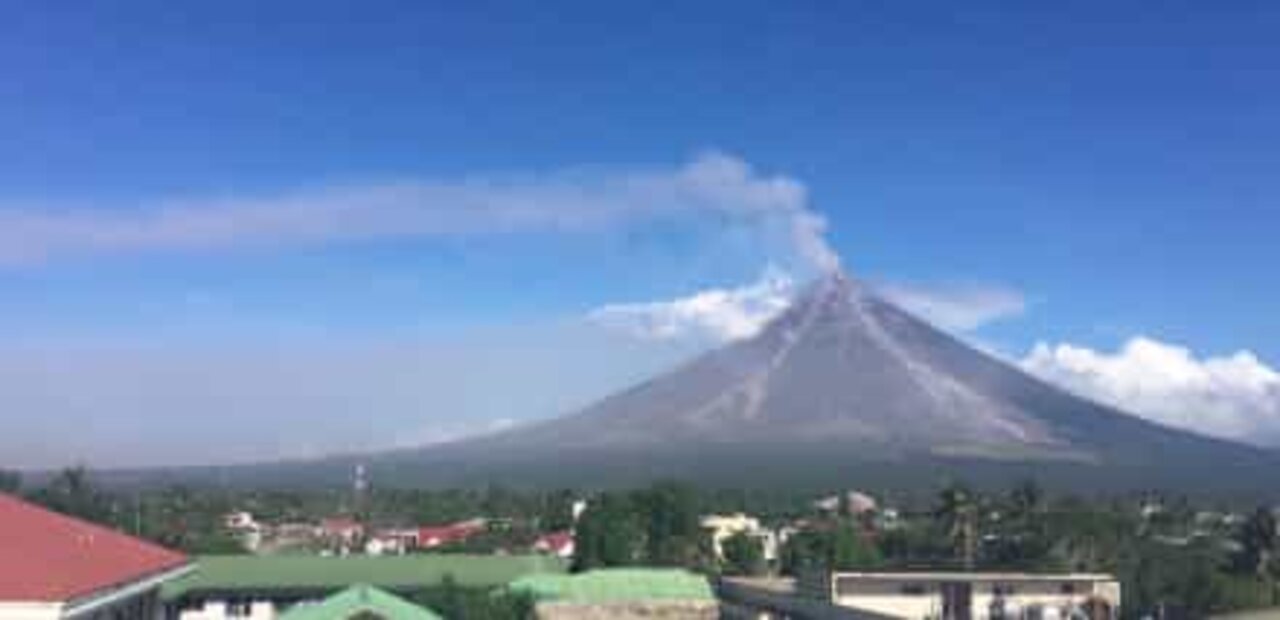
column 49, row 557
column 555, row 541
column 435, row 536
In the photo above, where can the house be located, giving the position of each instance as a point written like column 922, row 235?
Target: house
column 621, row 594
column 857, row 503
column 391, row 542
column 559, row 544
column 359, row 602
column 245, row 528
column 723, row 527
column 53, row 566
column 430, row 537
column 240, row 520
column 965, row 595
column 265, row 587
column 342, row 530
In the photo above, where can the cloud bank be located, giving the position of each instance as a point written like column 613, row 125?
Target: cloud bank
column 1234, row 397
column 956, row 307
column 565, row 202
column 733, row 313
column 717, row 314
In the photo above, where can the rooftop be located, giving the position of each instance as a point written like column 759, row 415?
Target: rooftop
column 50, row 557
column 357, row 601
column 617, row 585
column 303, row 574
column 973, row 576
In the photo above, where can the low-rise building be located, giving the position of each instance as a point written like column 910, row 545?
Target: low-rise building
column 264, row 587
column 430, row 537
column 965, row 595
column 621, row 594
column 360, row 602
column 55, row 567
column 559, row 544
column 723, row 527
column 391, row 542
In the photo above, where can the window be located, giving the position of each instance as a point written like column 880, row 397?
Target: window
column 913, row 589
column 239, row 608
column 191, row 604
column 1003, row 589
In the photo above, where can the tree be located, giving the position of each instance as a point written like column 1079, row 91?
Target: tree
column 608, row 534
column 672, row 531
column 743, row 555
column 851, row 551
column 71, row 492
column 805, row 550
column 10, row 481
column 957, row 510
column 1258, row 540
column 556, row 512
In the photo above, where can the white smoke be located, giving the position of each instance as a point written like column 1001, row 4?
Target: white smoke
column 566, row 202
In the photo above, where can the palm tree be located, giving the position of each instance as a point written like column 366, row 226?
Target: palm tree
column 1259, row 538
column 958, row 512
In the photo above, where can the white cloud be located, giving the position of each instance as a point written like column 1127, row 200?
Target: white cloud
column 565, row 202
column 957, row 307
column 1236, row 396
column 721, row 314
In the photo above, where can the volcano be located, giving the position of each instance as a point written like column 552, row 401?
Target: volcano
column 843, row 388
column 844, row 383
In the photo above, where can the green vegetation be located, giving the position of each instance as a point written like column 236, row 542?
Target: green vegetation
column 657, row 526
column 743, row 556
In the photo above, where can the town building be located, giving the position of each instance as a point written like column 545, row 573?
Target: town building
column 559, row 544
column 392, row 541
column 923, row 596
column 855, row 503
column 621, row 594
column 55, row 567
column 965, row 595
column 431, row 537
column 360, row 602
column 723, row 527
column 265, row 587
column 342, row 531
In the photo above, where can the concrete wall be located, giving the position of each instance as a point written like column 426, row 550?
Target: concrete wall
column 924, row 599
column 640, row 610
column 217, row 610
column 30, row 611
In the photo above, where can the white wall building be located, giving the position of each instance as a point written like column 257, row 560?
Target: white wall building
column 965, row 596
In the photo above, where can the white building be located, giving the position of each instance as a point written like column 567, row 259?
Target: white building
column 723, row 527
column 964, row 596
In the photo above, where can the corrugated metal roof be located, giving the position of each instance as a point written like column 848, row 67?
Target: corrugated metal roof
column 246, row 573
column 360, row 599
column 50, row 557
column 617, row 584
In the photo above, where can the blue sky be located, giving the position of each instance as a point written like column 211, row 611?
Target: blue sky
column 1104, row 172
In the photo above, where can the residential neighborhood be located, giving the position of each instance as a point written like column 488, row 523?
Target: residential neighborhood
column 589, row 557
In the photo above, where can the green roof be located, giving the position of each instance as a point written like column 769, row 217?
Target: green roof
column 616, row 585
column 309, row 574
column 360, row 599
